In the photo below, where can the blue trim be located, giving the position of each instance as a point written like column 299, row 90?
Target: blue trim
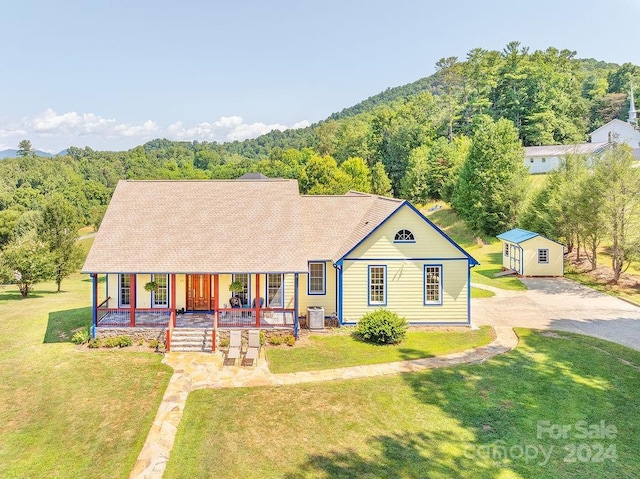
column 424, row 285
column 429, row 222
column 543, row 249
column 324, row 278
column 384, row 284
column 94, row 310
column 340, row 296
column 469, row 293
column 405, row 259
column 296, row 323
column 518, row 235
column 404, row 241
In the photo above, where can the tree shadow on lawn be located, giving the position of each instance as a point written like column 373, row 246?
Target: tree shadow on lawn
column 560, row 380
column 14, row 295
column 62, row 324
column 410, row 455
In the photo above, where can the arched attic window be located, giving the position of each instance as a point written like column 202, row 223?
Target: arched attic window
column 404, row 236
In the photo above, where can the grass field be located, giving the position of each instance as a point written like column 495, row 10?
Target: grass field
column 343, row 349
column 65, row 412
column 488, row 251
column 437, row 424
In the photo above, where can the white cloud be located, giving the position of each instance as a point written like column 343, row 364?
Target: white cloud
column 53, row 131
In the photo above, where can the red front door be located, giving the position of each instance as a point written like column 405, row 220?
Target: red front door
column 198, row 292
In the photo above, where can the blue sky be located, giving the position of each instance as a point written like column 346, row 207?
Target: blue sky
column 113, row 74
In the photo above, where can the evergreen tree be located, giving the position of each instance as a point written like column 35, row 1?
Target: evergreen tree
column 380, row 183
column 491, row 186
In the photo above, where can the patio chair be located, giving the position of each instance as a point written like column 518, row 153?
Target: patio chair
column 235, row 347
column 253, row 348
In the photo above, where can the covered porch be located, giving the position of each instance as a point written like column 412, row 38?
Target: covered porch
column 182, row 300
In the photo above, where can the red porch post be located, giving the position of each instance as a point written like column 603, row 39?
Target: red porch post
column 216, row 305
column 173, row 297
column 132, row 300
column 257, row 300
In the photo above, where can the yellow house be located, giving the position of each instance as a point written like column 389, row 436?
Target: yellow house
column 168, row 253
column 531, row 254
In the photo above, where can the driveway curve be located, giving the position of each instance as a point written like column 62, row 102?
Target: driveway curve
column 560, row 304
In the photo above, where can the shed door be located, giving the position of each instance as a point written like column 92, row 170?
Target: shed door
column 198, row 292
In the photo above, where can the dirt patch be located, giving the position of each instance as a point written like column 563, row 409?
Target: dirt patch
column 603, row 274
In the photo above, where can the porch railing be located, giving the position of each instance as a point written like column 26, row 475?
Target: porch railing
column 227, row 317
column 121, row 317
column 245, row 317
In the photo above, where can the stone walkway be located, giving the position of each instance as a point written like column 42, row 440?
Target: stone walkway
column 198, row 371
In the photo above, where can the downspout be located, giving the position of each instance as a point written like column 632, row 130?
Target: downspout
column 296, row 323
column 94, row 310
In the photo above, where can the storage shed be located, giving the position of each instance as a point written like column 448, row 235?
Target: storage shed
column 531, row 254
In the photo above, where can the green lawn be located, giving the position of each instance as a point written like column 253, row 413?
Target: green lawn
column 488, row 251
column 434, row 424
column 65, row 412
column 342, row 349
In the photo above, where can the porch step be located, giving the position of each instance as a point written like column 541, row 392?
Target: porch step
column 191, row 340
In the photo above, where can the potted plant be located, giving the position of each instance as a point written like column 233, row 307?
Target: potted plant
column 236, row 287
column 151, row 286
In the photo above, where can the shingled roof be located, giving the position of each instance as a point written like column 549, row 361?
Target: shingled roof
column 227, row 226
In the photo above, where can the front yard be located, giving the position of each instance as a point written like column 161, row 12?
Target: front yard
column 64, row 412
column 454, row 422
column 341, row 349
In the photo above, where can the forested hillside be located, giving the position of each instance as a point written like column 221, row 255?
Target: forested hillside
column 410, row 141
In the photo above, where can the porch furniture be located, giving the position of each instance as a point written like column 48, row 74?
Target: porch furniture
column 235, row 347
column 253, row 348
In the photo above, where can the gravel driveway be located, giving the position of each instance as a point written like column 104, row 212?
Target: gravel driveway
column 561, row 304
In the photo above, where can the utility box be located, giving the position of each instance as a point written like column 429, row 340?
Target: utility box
column 316, row 317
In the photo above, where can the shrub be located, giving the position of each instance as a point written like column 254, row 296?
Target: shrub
column 382, row 327
column 289, row 340
column 80, row 337
column 153, row 343
column 95, row 343
column 117, row 342
column 224, row 343
column 275, row 340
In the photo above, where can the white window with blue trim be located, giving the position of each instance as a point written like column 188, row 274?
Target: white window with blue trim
column 377, row 285
column 432, row 284
column 543, row 256
column 160, row 297
column 404, row 236
column 125, row 290
column 317, row 278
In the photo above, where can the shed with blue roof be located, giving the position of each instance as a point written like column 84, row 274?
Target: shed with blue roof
column 531, row 254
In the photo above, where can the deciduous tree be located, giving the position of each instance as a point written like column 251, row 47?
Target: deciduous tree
column 26, row 262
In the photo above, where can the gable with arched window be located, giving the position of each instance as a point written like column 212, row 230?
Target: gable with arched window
column 404, row 236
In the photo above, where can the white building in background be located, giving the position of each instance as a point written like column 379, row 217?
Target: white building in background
column 543, row 159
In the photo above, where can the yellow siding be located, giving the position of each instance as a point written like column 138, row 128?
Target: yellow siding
column 429, row 243
column 181, row 291
column 327, row 300
column 112, row 291
column 405, row 291
column 405, row 272
column 556, row 257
